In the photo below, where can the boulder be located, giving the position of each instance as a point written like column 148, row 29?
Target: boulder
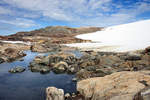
column 54, row 94
column 17, row 70
column 2, row 60
column 144, row 94
column 44, row 47
column 38, row 48
column 83, row 74
column 61, row 64
column 60, row 67
column 74, row 79
column 117, row 86
column 147, row 50
column 89, row 60
column 133, row 57
column 67, row 95
column 43, row 60
column 39, row 68
column 11, row 54
column 109, row 60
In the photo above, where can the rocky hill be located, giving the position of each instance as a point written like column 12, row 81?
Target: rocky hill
column 55, row 34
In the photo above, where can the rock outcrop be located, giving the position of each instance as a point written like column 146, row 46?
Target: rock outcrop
column 91, row 64
column 53, row 34
column 45, row 47
column 11, row 54
column 117, row 86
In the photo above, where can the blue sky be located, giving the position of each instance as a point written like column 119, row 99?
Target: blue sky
column 25, row 15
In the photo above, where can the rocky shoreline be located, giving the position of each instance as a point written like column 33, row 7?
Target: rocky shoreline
column 99, row 75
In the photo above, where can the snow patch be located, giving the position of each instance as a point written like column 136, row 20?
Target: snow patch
column 17, row 42
column 120, row 38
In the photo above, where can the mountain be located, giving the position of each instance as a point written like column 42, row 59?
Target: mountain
column 57, row 34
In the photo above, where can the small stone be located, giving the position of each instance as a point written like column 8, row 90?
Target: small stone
column 67, row 95
column 133, row 57
column 74, row 79
column 72, row 70
column 44, row 71
column 1, row 60
column 54, row 94
column 17, row 70
column 91, row 68
column 73, row 95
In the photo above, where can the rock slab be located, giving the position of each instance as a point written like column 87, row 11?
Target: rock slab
column 117, row 86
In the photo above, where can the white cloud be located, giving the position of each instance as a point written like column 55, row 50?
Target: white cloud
column 4, row 10
column 20, row 22
column 61, row 10
column 83, row 12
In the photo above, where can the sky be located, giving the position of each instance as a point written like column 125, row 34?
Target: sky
column 26, row 15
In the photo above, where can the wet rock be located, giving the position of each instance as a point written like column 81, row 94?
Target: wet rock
column 74, row 79
column 60, row 67
column 67, row 95
column 109, row 60
column 89, row 60
column 21, row 59
column 54, row 94
column 42, row 60
column 12, row 54
column 2, row 60
column 44, row 70
column 133, row 57
column 83, row 74
column 147, row 50
column 45, row 47
column 102, row 72
column 59, row 63
column 17, row 70
column 38, row 48
column 35, row 67
column 75, row 96
column 72, row 70
column 91, row 68
column 40, row 68
column 59, row 70
column 144, row 94
column 117, row 86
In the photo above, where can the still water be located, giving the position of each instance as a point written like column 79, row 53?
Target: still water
column 29, row 85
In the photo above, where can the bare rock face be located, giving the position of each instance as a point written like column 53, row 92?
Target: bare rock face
column 54, row 93
column 57, row 34
column 144, row 94
column 117, row 86
column 13, row 53
column 39, row 47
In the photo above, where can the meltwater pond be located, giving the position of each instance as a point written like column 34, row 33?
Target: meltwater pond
column 29, row 85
